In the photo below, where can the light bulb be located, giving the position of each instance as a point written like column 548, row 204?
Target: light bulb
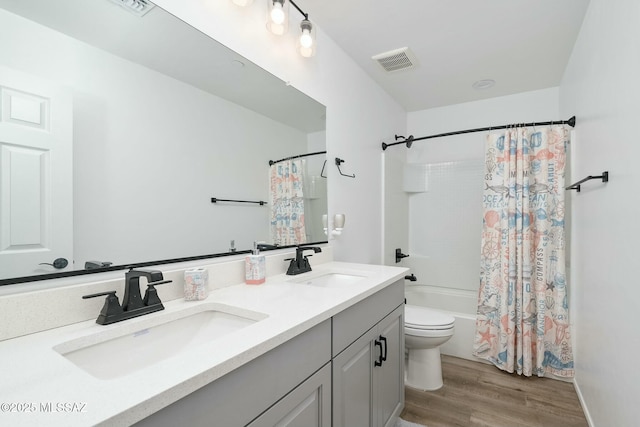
column 277, row 13
column 306, row 40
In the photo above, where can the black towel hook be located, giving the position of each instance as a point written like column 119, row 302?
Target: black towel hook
column 340, row 161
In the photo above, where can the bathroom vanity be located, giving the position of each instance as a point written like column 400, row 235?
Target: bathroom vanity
column 318, row 349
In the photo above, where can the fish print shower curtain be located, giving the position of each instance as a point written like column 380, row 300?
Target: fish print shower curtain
column 522, row 323
column 287, row 203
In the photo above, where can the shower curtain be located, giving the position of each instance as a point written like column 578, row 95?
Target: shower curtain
column 287, row 203
column 522, row 322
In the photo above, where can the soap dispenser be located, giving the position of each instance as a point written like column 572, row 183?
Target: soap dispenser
column 255, row 267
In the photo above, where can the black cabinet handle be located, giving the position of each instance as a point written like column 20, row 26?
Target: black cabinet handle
column 383, row 339
column 379, row 361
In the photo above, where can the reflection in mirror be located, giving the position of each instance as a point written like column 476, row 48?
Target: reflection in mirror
column 118, row 130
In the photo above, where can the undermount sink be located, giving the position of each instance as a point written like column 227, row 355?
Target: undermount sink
column 330, row 280
column 127, row 348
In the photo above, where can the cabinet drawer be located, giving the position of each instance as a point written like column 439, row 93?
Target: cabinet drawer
column 351, row 323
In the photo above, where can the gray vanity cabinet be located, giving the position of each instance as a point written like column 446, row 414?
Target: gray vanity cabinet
column 368, row 386
column 325, row 376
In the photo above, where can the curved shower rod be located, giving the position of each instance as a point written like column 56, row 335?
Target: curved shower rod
column 410, row 139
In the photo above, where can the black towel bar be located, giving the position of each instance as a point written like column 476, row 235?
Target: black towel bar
column 576, row 186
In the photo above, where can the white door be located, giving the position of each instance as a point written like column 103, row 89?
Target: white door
column 36, row 188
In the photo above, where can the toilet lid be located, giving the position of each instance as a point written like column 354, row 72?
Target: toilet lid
column 426, row 318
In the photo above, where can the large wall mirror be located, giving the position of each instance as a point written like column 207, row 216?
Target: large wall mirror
column 117, row 130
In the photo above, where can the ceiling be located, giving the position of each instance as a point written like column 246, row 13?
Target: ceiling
column 523, row 45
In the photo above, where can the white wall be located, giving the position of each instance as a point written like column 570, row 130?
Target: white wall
column 445, row 222
column 145, row 167
column 602, row 88
column 360, row 115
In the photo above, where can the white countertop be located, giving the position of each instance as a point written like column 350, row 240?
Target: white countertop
column 38, row 386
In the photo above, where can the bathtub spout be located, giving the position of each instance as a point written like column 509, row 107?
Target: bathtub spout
column 411, row 278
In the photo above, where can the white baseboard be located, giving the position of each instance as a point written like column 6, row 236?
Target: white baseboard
column 587, row 415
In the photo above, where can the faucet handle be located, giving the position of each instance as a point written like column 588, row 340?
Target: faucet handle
column 151, row 295
column 111, row 305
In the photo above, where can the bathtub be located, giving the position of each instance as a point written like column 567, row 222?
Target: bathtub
column 461, row 304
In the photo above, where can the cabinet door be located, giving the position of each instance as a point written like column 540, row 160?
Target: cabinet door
column 389, row 377
column 308, row 405
column 353, row 384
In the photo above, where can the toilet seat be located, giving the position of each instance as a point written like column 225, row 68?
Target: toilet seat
column 426, row 319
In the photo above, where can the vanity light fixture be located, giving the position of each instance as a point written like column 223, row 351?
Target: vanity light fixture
column 278, row 24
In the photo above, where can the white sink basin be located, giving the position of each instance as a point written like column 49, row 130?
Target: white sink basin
column 126, row 348
column 330, row 280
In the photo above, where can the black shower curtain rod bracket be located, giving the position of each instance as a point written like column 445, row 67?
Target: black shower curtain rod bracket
column 408, row 141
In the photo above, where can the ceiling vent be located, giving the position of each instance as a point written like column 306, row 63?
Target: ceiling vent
column 396, row 60
column 136, row 7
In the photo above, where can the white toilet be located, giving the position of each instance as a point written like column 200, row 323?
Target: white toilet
column 425, row 330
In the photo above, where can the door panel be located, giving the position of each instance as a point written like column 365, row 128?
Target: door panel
column 36, row 188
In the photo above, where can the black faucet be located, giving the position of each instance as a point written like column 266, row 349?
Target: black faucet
column 133, row 304
column 300, row 264
column 132, row 297
column 265, row 246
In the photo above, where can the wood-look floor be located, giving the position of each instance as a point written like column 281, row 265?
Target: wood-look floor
column 480, row 395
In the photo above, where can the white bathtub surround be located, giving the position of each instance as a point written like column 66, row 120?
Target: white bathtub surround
column 33, row 371
column 41, row 308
